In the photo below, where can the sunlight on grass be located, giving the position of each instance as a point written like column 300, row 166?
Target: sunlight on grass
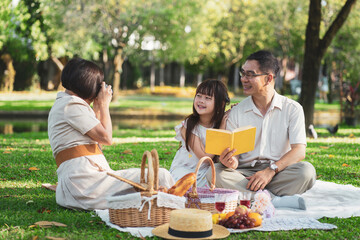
column 140, row 139
column 20, row 184
column 334, row 140
column 327, row 106
column 344, row 135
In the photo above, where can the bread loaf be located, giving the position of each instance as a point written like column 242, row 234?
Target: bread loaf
column 183, row 184
column 163, row 189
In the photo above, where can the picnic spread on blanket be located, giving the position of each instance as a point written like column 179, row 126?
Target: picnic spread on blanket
column 166, row 213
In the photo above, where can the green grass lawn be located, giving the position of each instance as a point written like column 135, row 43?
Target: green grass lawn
column 124, row 103
column 23, row 202
column 167, row 104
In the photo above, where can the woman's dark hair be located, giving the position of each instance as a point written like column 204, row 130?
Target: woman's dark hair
column 210, row 87
column 267, row 62
column 82, row 77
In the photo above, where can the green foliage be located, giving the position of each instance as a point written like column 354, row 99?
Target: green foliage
column 201, row 34
column 183, row 33
column 231, row 34
column 287, row 31
column 8, row 21
column 12, row 24
column 241, row 28
column 69, row 31
column 344, row 52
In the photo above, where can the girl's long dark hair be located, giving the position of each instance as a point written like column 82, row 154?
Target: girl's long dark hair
column 210, row 87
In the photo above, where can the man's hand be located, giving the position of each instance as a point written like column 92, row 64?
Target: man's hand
column 228, row 160
column 260, row 179
column 224, row 119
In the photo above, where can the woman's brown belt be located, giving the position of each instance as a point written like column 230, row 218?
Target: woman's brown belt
column 77, row 151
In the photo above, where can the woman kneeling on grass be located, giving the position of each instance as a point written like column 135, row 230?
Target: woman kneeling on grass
column 76, row 131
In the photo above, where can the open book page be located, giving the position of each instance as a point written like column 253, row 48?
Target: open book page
column 242, row 139
column 217, row 140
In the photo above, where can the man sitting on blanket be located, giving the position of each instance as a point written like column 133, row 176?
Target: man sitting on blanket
column 280, row 143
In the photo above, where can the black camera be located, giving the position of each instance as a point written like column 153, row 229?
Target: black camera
column 99, row 87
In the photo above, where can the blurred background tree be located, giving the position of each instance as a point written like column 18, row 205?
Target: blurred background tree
column 318, row 40
column 16, row 50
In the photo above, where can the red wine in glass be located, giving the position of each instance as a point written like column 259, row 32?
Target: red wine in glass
column 245, row 203
column 220, row 206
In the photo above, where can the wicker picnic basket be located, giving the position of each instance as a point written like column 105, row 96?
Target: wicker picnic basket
column 149, row 214
column 204, row 197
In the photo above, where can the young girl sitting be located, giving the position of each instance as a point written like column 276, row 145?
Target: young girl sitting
column 208, row 112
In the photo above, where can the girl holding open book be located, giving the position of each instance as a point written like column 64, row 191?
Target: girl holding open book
column 209, row 105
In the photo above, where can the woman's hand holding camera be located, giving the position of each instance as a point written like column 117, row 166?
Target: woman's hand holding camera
column 104, row 97
column 103, row 133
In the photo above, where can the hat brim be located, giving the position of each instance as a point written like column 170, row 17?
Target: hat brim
column 218, row 232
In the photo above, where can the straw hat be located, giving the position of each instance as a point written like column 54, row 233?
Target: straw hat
column 190, row 223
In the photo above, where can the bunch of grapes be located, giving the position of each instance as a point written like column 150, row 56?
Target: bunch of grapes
column 238, row 221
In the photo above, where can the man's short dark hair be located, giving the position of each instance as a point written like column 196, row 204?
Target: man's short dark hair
column 82, row 77
column 267, row 62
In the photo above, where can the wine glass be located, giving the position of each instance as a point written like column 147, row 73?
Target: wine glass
column 220, row 200
column 245, row 199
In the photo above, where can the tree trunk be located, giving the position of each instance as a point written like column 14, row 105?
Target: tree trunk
column 330, row 93
column 58, row 63
column 283, row 86
column 315, row 49
column 152, row 77
column 107, row 65
column 168, row 76
column 309, row 84
column 182, row 76
column 57, row 79
column 162, row 81
column 199, row 78
column 236, row 79
column 9, row 76
column 8, row 128
column 341, row 97
column 118, row 62
column 297, row 70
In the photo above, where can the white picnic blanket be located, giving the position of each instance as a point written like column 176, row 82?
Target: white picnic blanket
column 325, row 199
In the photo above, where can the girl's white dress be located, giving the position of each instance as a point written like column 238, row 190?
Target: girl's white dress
column 184, row 161
column 83, row 182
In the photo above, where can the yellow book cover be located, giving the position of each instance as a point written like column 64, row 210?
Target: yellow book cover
column 242, row 139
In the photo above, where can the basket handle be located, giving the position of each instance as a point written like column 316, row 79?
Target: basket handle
column 150, row 175
column 155, row 158
column 213, row 179
column 132, row 183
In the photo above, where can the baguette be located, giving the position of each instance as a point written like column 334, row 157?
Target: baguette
column 182, row 185
column 163, row 189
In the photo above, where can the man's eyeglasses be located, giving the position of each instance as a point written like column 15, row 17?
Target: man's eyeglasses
column 250, row 74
